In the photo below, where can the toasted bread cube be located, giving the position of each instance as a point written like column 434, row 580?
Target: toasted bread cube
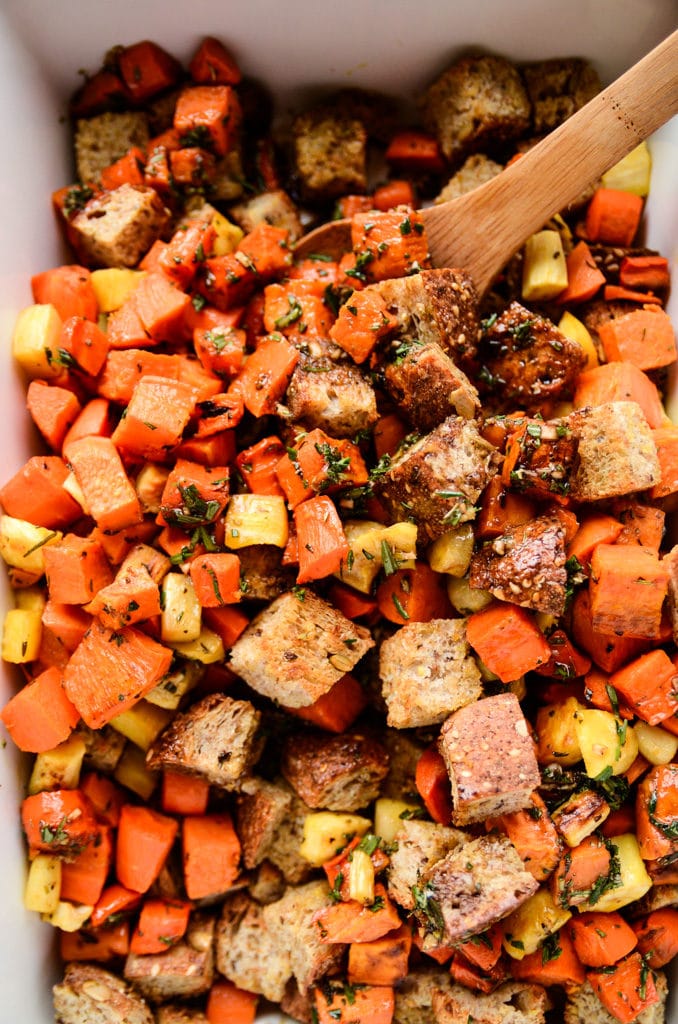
column 617, row 453
column 476, row 170
column 184, row 970
column 490, row 758
column 427, row 672
column 247, row 950
column 341, row 773
column 117, row 228
column 336, row 398
column 557, row 88
column 419, row 845
column 427, row 386
column 330, row 153
column 513, row 1002
column 90, row 993
column 103, row 139
column 297, row 648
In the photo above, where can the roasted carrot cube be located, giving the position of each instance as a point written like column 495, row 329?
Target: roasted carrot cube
column 628, row 586
column 83, row 342
column 189, row 246
column 208, row 115
column 216, row 579
column 128, row 170
column 194, row 494
column 212, row 64
column 648, row 686
column 76, row 569
column 147, row 69
column 156, row 417
column 266, row 249
column 362, row 322
column 192, row 165
column 390, row 244
column 161, row 307
column 226, row 281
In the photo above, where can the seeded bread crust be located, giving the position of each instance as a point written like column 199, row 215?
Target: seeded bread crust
column 427, row 386
column 90, row 995
column 184, row 971
column 420, row 844
column 512, row 1003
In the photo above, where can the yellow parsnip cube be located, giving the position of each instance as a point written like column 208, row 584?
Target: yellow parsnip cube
column 207, row 648
column 388, row 816
column 21, row 635
column 181, row 615
column 71, row 485
column 369, row 543
column 657, row 745
column 149, row 485
column 527, row 927
column 327, row 833
column 466, row 599
column 544, row 268
column 113, row 286
column 605, row 742
column 36, row 340
column 131, row 772
column 68, row 917
column 452, row 552
column 22, row 543
column 228, row 235
column 142, row 724
column 256, row 519
column 575, row 330
column 361, row 877
column 33, row 598
column 558, row 739
column 43, row 884
column 172, row 687
column 632, row 172
column 60, row 767
column 633, row 878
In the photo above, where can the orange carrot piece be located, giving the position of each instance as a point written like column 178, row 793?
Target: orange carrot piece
column 627, row 588
column 363, row 321
column 619, row 382
column 209, row 112
column 596, row 693
column 267, row 249
column 501, row 509
column 102, row 91
column 643, row 337
column 613, row 216
column 328, row 464
column 53, row 409
column 579, row 871
column 584, row 277
column 413, row 595
column 162, row 923
column 127, row 170
column 192, row 166
column 110, row 671
column 216, row 415
column 648, row 272
column 156, row 417
column 212, row 64
column 145, row 839
column 397, row 192
column 370, row 1004
column 322, row 542
column 615, row 293
column 600, row 940
column 104, row 795
column 266, row 374
column 484, row 950
column 336, row 710
column 76, row 568
column 184, row 794
column 93, row 421
column 596, row 528
column 607, row 650
column 132, row 597
column 82, row 345
column 125, row 329
column 657, row 936
column 124, row 369
column 258, row 463
column 387, row 245
column 351, row 602
column 211, row 855
column 556, row 963
column 111, row 499
column 114, row 900
column 221, row 350
column 657, row 811
column 641, row 524
column 58, row 821
column 216, row 579
column 666, row 440
column 187, row 485
column 388, row 432
column 566, row 661
column 84, row 874
column 228, row 1004
column 290, row 479
column 147, row 69
column 382, row 961
column 160, row 307
column 100, row 945
column 508, row 640
column 647, row 685
column 415, row 151
column 626, row 991
column 296, row 310
column 69, row 289
column 433, row 785
column 67, row 622
column 348, row 206
column 619, row 822
column 534, row 836
column 465, row 973
column 226, row 282
column 189, row 246
column 36, row 494
column 350, row 921
column 228, row 622
column 40, row 715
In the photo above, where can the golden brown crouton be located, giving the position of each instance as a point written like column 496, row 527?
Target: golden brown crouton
column 341, row 773
column 266, row 883
column 427, row 386
column 261, row 808
column 418, row 846
column 274, row 208
column 297, row 648
column 329, row 153
column 101, row 140
column 248, row 952
column 117, row 228
column 437, row 481
column 336, row 398
column 215, row 739
column 414, row 996
column 617, row 453
column 185, row 970
column 476, row 170
column 470, row 888
column 91, row 995
column 490, row 758
column 262, row 574
column 557, row 88
column 173, row 1013
column 427, row 672
column 525, row 565
column 511, row 1003
column 291, row 920
column 477, row 100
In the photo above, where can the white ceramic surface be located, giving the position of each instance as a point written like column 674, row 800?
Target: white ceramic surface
column 394, row 45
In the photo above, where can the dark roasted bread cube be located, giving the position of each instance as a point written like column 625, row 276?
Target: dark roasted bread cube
column 427, row 386
column 336, row 398
column 340, row 773
column 512, row 1003
column 329, row 153
column 557, row 88
column 89, row 994
column 419, row 845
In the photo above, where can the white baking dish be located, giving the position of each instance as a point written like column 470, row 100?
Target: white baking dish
column 394, row 45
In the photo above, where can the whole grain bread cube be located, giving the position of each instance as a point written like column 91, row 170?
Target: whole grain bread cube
column 183, row 971
column 297, row 648
column 115, row 229
column 174, row 1013
column 526, row 359
column 263, row 577
column 295, row 1005
column 414, row 995
column 101, row 140
column 427, row 387
column 557, row 88
column 437, row 481
column 247, row 952
column 419, row 845
column 584, row 1007
column 471, row 887
column 91, row 995
column 261, row 807
column 490, row 758
column 404, row 750
column 427, row 672
column 656, row 898
column 512, row 1003
column 336, row 398
column 330, row 153
column 525, row 565
column 103, row 747
column 438, row 306
column 338, row 772
column 479, row 99
column 475, row 170
column 284, row 850
column 216, row 739
column 617, row 453
column 291, row 922
column 274, row 208
column 266, row 883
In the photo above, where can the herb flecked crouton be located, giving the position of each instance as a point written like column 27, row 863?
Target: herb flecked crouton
column 427, row 386
column 341, row 773
column 297, row 648
column 329, row 153
column 88, row 994
column 103, row 139
column 117, row 228
column 419, row 845
column 183, row 971
column 511, row 1003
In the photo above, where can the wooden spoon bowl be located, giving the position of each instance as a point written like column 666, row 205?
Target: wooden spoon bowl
column 481, row 230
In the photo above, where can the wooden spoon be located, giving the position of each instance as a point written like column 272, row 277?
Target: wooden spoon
column 481, row 230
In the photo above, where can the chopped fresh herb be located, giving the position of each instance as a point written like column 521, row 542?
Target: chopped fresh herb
column 293, row 314
column 550, row 949
column 389, row 560
column 368, row 844
column 399, row 608
column 428, row 908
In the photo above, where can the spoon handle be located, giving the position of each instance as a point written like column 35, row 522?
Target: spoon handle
column 500, row 215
